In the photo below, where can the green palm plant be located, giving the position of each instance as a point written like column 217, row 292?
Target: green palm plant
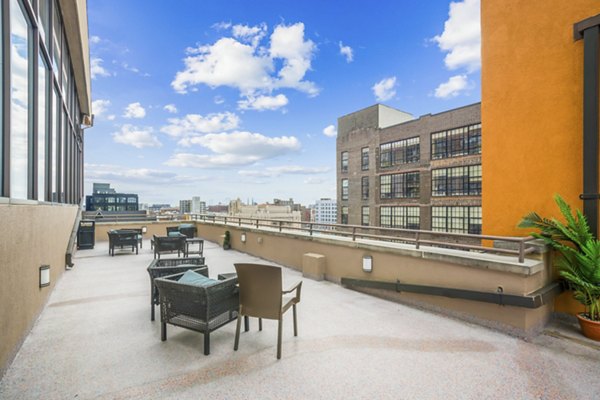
column 579, row 261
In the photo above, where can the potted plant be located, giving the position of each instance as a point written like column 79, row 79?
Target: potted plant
column 227, row 241
column 579, row 260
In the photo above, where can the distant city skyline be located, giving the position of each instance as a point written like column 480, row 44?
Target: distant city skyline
column 232, row 99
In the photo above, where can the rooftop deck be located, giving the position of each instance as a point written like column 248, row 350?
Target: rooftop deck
column 95, row 340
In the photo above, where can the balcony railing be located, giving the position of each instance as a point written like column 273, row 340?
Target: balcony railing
column 469, row 242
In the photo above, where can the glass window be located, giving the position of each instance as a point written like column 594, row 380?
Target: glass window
column 364, row 218
column 20, row 102
column 400, row 185
column 56, row 35
column 399, row 152
column 42, row 127
column 456, row 181
column 456, row 142
column 344, row 215
column 43, row 18
column 403, row 217
column 344, row 189
column 54, row 144
column 365, row 187
column 344, row 161
column 458, row 219
column 62, row 146
column 364, row 160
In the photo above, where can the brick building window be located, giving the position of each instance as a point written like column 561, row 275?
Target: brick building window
column 344, row 165
column 456, row 181
column 364, row 217
column 459, row 219
column 344, row 215
column 400, row 217
column 456, row 142
column 344, row 189
column 364, row 185
column 364, row 158
column 399, row 152
column 398, row 186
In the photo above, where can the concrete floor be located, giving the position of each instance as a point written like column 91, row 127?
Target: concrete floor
column 95, row 340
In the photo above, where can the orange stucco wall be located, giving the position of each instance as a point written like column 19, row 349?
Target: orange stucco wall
column 532, row 108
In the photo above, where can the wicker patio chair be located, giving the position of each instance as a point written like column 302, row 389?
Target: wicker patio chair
column 168, row 244
column 199, row 308
column 170, row 266
column 261, row 296
column 140, row 236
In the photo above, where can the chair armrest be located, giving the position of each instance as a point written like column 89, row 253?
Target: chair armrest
column 297, row 287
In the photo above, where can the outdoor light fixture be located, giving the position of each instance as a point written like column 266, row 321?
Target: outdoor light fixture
column 144, row 229
column 367, row 263
column 44, row 275
column 243, row 238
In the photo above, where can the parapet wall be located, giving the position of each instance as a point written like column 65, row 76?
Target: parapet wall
column 392, row 263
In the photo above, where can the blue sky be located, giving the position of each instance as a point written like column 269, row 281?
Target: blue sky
column 226, row 99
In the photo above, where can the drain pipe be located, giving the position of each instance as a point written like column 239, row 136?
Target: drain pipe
column 589, row 31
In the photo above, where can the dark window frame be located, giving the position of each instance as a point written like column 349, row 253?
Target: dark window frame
column 364, row 159
column 456, row 142
column 456, row 181
column 345, row 189
column 344, row 158
column 402, row 217
column 400, row 152
column 446, row 219
column 364, row 186
column 400, row 186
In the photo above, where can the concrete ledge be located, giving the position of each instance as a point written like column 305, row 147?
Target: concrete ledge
column 313, row 266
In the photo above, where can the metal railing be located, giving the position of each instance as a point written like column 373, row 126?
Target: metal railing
column 418, row 238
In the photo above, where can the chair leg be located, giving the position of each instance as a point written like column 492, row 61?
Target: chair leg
column 152, row 310
column 295, row 321
column 279, row 329
column 246, row 324
column 206, row 343
column 260, row 324
column 237, row 332
column 163, row 331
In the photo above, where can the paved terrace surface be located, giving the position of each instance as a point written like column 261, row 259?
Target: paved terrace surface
column 95, row 340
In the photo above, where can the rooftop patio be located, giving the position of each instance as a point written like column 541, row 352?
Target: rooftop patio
column 95, row 339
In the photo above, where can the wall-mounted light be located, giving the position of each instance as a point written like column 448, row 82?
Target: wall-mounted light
column 259, row 240
column 243, row 237
column 144, row 229
column 367, row 263
column 44, row 275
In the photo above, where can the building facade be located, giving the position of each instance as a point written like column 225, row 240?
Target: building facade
column 105, row 198
column 185, row 206
column 198, row 206
column 45, row 107
column 325, row 211
column 399, row 172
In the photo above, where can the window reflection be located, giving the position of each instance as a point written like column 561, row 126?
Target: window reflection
column 19, row 101
column 42, row 128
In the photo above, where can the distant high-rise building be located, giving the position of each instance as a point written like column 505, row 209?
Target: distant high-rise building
column 198, row 206
column 325, row 211
column 185, row 206
column 106, row 198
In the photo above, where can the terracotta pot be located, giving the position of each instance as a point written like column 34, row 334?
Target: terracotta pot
column 589, row 328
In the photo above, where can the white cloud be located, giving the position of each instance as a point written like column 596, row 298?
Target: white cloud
column 120, row 174
column 196, row 124
column 96, row 68
column 95, row 39
column 250, row 34
column 385, row 89
column 330, row 131
column 461, row 38
column 251, row 68
column 99, row 107
column 134, row 110
column 347, row 52
column 262, row 103
column 283, row 169
column 136, row 136
column 111, row 117
column 455, row 86
column 234, row 149
column 219, row 100
column 311, row 180
column 170, row 108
